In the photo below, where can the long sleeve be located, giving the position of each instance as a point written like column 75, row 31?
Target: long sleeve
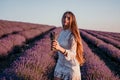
column 71, row 52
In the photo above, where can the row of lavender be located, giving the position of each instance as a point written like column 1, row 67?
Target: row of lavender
column 36, row 63
column 94, row 68
column 111, row 51
column 114, row 36
column 10, row 41
column 105, row 38
column 9, row 27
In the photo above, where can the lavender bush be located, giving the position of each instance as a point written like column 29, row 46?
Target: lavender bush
column 94, row 68
column 114, row 36
column 9, row 27
column 12, row 40
column 29, row 34
column 108, row 48
column 106, row 39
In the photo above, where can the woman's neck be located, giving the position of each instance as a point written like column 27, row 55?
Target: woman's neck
column 65, row 28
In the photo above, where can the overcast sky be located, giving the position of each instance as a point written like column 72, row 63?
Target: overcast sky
column 102, row 15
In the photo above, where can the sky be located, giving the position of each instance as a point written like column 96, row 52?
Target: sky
column 101, row 15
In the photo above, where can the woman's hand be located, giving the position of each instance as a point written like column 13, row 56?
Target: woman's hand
column 56, row 45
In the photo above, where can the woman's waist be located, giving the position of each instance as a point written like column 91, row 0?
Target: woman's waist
column 71, row 63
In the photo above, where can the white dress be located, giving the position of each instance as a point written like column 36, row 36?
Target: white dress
column 67, row 67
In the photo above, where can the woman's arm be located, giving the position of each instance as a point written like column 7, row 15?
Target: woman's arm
column 58, row 47
column 69, row 53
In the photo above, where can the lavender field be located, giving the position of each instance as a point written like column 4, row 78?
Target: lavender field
column 25, row 52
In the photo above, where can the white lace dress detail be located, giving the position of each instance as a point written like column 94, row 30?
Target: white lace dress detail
column 67, row 67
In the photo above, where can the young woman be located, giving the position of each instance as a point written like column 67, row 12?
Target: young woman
column 70, row 50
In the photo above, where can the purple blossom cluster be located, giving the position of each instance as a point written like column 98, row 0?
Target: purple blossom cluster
column 94, row 68
column 111, row 51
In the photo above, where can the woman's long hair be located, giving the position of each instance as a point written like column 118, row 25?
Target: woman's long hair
column 75, row 31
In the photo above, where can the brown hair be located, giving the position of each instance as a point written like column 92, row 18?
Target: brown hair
column 75, row 31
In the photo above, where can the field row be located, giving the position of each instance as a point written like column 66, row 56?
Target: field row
column 111, row 35
column 111, row 51
column 10, row 27
column 105, row 39
column 95, row 68
column 14, row 40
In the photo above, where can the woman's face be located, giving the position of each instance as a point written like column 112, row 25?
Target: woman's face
column 66, row 21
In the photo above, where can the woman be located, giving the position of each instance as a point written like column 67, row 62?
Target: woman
column 70, row 50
